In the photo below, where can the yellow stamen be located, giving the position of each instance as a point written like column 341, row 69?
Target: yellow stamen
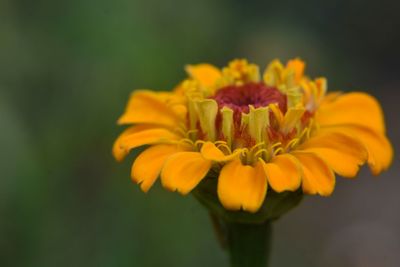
column 259, row 153
column 225, row 146
column 277, row 151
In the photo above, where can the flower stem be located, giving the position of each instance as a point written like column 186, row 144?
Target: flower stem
column 249, row 244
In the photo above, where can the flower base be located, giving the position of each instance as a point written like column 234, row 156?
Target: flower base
column 274, row 206
column 247, row 236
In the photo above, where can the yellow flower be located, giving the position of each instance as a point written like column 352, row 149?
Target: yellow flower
column 279, row 130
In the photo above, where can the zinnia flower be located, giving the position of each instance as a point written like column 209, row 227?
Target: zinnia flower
column 281, row 130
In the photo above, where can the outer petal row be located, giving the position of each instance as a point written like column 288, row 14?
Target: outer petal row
column 148, row 107
column 317, row 177
column 147, row 166
column 183, row 171
column 239, row 186
column 342, row 153
column 283, row 173
column 351, row 108
column 359, row 116
column 140, row 135
column 380, row 151
column 243, row 186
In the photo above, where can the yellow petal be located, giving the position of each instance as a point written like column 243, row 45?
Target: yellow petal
column 294, row 97
column 227, row 124
column 147, row 166
column 277, row 113
column 292, row 118
column 317, row 177
column 273, row 73
column 180, row 110
column 149, row 107
column 342, row 153
column 206, row 74
column 380, row 151
column 321, row 88
column 242, row 186
column 183, row 171
column 240, row 71
column 140, row 135
column 211, row 152
column 117, row 150
column 283, row 173
column 352, row 108
column 258, row 123
column 207, row 110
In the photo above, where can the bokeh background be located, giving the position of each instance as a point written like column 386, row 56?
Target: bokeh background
column 66, row 71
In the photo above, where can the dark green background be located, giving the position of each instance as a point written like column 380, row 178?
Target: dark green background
column 66, row 71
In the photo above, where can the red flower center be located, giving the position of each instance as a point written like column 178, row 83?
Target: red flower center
column 239, row 97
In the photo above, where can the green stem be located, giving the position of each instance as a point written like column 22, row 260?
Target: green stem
column 249, row 244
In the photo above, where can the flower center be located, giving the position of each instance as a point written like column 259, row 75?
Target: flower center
column 239, row 97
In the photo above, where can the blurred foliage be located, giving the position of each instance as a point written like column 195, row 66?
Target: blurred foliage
column 66, row 71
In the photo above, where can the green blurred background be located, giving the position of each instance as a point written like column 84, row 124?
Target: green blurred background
column 66, row 71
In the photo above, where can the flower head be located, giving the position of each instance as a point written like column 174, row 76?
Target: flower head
column 279, row 130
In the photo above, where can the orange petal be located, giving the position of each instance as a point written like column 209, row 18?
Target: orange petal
column 141, row 135
column 380, row 151
column 206, row 74
column 149, row 107
column 283, row 173
column 211, row 152
column 147, row 166
column 342, row 153
column 183, row 171
column 298, row 66
column 317, row 177
column 352, row 108
column 118, row 152
column 242, row 186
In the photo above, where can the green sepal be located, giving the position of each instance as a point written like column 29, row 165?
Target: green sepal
column 274, row 206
